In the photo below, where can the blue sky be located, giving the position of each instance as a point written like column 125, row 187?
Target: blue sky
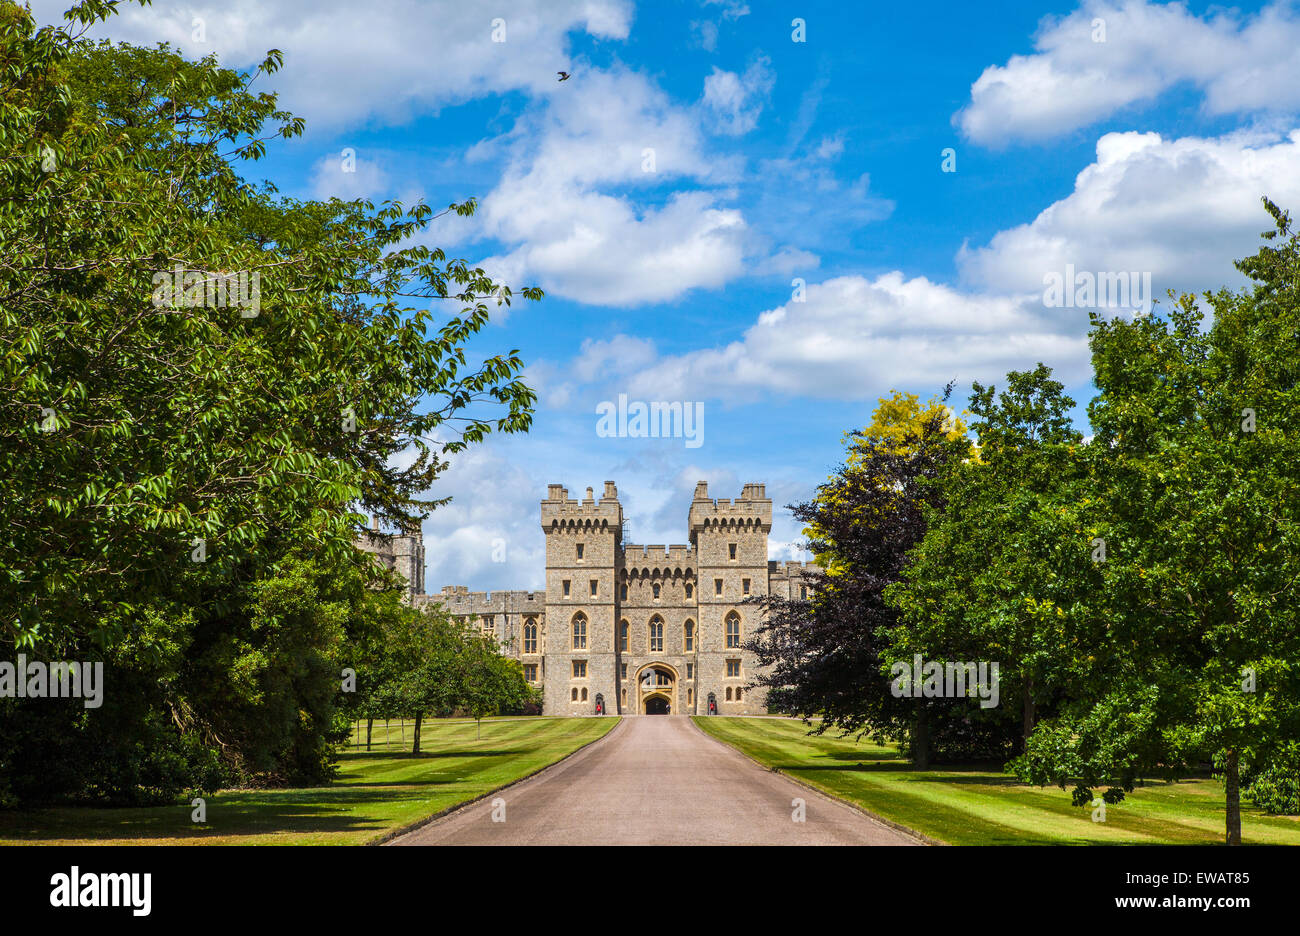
column 1112, row 136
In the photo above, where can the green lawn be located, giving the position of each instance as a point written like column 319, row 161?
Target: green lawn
column 986, row 807
column 376, row 792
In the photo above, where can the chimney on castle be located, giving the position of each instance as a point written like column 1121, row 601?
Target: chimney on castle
column 701, row 490
column 555, row 492
column 611, row 491
column 591, row 497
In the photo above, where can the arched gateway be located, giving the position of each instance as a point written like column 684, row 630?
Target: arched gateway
column 656, row 688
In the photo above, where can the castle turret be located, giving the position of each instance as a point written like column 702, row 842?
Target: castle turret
column 730, row 541
column 583, row 540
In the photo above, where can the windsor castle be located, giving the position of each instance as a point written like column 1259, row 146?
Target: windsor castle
column 624, row 629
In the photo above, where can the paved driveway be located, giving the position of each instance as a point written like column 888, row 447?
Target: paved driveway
column 656, row 780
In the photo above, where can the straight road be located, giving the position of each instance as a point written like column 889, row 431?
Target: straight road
column 656, row 780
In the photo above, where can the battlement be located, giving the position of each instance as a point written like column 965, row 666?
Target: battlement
column 458, row 599
column 752, row 507
column 790, row 567
column 636, row 555
column 558, row 509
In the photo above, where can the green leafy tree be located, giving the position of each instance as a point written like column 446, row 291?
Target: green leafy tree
column 1193, row 643
column 169, row 436
column 432, row 664
column 825, row 656
column 1003, row 567
column 490, row 683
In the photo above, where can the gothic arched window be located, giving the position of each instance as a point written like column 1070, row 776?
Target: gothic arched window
column 579, row 632
column 733, row 631
column 656, row 634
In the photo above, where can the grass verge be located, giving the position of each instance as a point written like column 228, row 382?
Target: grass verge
column 376, row 792
column 982, row 806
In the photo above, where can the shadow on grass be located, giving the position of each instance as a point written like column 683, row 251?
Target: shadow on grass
column 341, row 811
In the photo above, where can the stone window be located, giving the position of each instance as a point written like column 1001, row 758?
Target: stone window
column 530, row 672
column 489, row 623
column 530, row 636
column 579, row 633
column 690, row 670
column 690, row 590
column 738, row 693
column 595, row 587
column 573, row 694
column 579, row 669
column 622, row 635
column 566, row 588
column 688, row 637
column 656, row 590
column 690, row 695
column 733, row 631
column 744, row 586
column 580, row 551
column 622, row 671
column 584, row 693
column 717, row 586
column 728, row 693
column 656, row 635
column 733, row 671
column 803, row 592
column 731, row 551
column 622, row 593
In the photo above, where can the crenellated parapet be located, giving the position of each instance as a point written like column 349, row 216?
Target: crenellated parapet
column 457, row 599
column 750, row 512
column 791, row 567
column 560, row 512
column 656, row 561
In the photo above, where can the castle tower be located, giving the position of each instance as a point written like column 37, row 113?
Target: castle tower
column 644, row 629
column 583, row 544
column 403, row 552
column 730, row 543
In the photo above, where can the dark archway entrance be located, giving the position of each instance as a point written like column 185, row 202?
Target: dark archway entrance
column 656, row 705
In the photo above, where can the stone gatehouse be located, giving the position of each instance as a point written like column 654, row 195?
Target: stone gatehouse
column 630, row 629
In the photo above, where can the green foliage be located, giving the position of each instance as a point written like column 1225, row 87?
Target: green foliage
column 1276, row 788
column 430, row 663
column 147, row 420
column 824, row 657
column 1189, row 650
column 1003, row 567
column 1139, row 591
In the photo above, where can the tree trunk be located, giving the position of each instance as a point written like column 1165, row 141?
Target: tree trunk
column 479, row 722
column 921, row 740
column 1027, row 724
column 370, row 726
column 419, row 718
column 1232, row 794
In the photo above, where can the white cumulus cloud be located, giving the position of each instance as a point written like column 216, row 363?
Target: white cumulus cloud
column 1240, row 65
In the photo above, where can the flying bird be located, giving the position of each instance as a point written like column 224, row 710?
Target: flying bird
column 564, row 76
